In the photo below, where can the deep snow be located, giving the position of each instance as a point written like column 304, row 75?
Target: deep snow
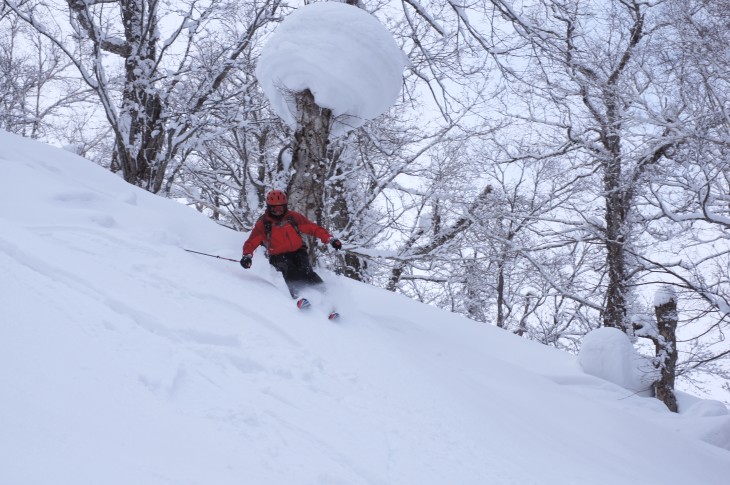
column 125, row 360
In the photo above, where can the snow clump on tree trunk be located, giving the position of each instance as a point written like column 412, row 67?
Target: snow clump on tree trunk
column 342, row 54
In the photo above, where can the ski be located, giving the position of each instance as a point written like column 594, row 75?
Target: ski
column 303, row 303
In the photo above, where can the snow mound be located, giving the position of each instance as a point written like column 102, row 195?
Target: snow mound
column 698, row 408
column 342, row 54
column 704, row 419
column 608, row 353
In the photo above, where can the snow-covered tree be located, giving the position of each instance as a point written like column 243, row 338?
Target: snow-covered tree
column 35, row 84
column 665, row 341
column 139, row 57
column 596, row 75
column 633, row 92
column 689, row 201
column 327, row 69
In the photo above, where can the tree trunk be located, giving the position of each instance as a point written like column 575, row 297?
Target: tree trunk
column 350, row 264
column 306, row 189
column 141, row 104
column 666, row 352
column 615, row 314
column 617, row 196
column 501, row 317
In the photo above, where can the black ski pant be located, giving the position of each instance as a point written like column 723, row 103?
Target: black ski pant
column 297, row 270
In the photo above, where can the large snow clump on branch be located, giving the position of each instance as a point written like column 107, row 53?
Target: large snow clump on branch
column 342, row 54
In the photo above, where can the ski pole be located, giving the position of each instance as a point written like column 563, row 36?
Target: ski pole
column 211, row 255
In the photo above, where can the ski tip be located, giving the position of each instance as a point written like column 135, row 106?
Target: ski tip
column 333, row 316
column 302, row 303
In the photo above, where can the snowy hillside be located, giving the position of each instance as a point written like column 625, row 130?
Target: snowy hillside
column 125, row 360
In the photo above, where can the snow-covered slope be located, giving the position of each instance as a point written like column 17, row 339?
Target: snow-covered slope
column 125, row 360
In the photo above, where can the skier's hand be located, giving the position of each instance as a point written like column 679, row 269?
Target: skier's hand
column 335, row 243
column 246, row 261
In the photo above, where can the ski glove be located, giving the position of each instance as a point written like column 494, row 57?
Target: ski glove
column 246, row 261
column 336, row 243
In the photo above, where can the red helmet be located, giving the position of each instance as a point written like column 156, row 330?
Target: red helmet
column 276, row 197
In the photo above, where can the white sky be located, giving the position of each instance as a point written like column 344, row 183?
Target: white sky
column 125, row 360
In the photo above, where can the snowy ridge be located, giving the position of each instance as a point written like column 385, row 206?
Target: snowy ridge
column 126, row 360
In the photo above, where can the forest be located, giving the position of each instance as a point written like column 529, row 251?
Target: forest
column 548, row 166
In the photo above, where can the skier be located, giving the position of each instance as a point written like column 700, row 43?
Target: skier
column 280, row 230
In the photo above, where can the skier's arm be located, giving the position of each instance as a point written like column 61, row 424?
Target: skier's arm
column 309, row 227
column 256, row 237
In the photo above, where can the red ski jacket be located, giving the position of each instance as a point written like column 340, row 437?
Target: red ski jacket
column 285, row 233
